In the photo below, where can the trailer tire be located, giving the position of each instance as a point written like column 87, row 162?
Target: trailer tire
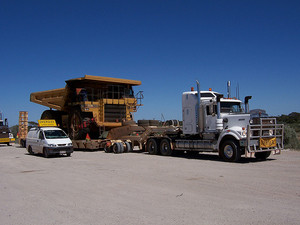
column 108, row 149
column 118, row 148
column 152, row 147
column 128, row 147
column 262, row 155
column 154, row 122
column 230, row 151
column 165, row 147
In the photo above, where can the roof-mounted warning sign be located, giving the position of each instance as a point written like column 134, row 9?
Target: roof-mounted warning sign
column 47, row 123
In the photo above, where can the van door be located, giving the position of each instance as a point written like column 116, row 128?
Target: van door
column 40, row 142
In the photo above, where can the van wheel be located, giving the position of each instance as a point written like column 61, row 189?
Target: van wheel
column 30, row 150
column 230, row 151
column 68, row 154
column 45, row 153
column 165, row 147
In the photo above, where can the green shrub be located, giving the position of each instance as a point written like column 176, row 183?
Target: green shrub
column 290, row 138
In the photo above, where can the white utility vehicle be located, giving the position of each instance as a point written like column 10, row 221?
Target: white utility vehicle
column 48, row 140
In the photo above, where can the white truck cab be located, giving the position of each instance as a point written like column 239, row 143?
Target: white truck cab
column 48, row 141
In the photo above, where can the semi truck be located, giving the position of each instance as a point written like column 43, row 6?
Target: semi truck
column 6, row 137
column 210, row 123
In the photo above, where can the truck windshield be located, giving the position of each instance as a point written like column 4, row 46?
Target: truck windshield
column 231, row 107
column 55, row 134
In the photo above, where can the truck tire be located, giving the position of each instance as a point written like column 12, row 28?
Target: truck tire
column 262, row 155
column 52, row 115
column 76, row 119
column 165, row 147
column 152, row 147
column 230, row 151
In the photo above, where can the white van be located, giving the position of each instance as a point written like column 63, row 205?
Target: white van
column 48, row 141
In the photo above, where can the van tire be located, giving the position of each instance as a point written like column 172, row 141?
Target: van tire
column 45, row 153
column 30, row 150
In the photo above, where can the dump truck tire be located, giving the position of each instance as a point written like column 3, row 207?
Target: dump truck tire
column 76, row 119
column 143, row 122
column 154, row 122
column 52, row 115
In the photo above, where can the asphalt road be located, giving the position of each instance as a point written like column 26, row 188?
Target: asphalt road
column 137, row 188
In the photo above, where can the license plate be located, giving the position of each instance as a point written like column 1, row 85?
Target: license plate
column 267, row 142
column 62, row 152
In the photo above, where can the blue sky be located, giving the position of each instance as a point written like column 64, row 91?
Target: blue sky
column 165, row 44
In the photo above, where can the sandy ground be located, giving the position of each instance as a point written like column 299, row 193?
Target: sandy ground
column 137, row 188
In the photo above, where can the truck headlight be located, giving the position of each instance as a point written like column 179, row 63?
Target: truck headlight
column 70, row 144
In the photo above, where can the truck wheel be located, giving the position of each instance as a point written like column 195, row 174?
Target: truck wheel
column 230, row 151
column 68, row 154
column 262, row 155
column 45, row 153
column 165, row 147
column 30, row 150
column 128, row 147
column 151, row 147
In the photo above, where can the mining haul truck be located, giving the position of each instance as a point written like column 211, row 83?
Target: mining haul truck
column 6, row 137
column 211, row 123
column 88, row 107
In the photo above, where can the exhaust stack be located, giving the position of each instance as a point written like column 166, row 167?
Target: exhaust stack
column 200, row 111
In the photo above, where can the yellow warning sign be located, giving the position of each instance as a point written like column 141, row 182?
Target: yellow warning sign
column 47, row 123
column 267, row 142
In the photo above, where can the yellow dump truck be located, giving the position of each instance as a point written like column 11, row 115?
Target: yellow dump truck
column 89, row 106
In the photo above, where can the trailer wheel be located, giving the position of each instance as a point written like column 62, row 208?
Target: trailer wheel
column 230, row 151
column 165, row 147
column 152, row 147
column 108, row 149
column 118, row 148
column 262, row 155
column 128, row 147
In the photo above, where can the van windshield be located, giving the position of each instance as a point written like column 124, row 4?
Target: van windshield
column 55, row 134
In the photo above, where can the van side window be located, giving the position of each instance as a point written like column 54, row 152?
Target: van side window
column 41, row 135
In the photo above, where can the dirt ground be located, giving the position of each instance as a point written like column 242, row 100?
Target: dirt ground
column 138, row 188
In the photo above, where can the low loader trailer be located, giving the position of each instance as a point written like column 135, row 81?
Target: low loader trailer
column 210, row 122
